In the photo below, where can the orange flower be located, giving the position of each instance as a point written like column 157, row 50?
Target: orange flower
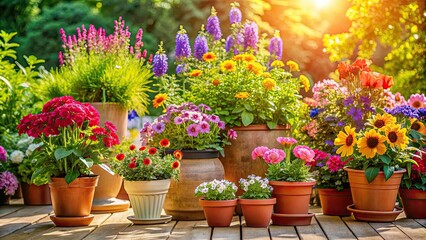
column 228, row 65
column 209, row 57
column 387, row 81
column 216, row 82
column 165, row 142
column 159, row 99
column 254, row 67
column 368, row 79
column 238, row 57
column 249, row 57
column 178, row 154
column 269, row 83
column 196, row 73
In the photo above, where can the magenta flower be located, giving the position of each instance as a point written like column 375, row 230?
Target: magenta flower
column 193, row 130
column 304, row 152
column 8, row 182
column 258, row 152
column 159, row 127
column 334, row 163
column 214, row 118
column 221, row 124
column 320, row 155
column 286, row 141
column 195, row 117
column 417, row 101
column 232, row 134
column 274, row 156
column 204, row 127
column 3, row 154
column 178, row 120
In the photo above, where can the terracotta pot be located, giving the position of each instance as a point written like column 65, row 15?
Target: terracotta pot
column 194, row 170
column 147, row 197
column 379, row 195
column 36, row 195
column 257, row 212
column 115, row 113
column 414, row 201
column 238, row 162
column 292, row 197
column 74, row 199
column 218, row 213
column 334, row 202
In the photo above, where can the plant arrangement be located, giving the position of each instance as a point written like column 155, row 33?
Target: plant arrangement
column 217, row 190
column 242, row 78
column 289, row 164
column 147, row 163
column 327, row 170
column 72, row 140
column 188, row 126
column 96, row 67
column 255, row 187
column 8, row 181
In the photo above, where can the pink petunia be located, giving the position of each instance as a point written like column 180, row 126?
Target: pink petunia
column 192, row 130
column 232, row 134
column 274, row 156
column 258, row 152
column 286, row 141
column 304, row 152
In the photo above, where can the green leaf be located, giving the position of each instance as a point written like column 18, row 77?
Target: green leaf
column 71, row 176
column 371, row 173
column 271, row 125
column 77, row 152
column 385, row 159
column 388, row 171
column 247, row 118
column 62, row 153
column 248, row 107
column 88, row 162
column 238, row 110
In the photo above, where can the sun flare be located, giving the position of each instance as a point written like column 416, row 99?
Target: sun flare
column 321, row 3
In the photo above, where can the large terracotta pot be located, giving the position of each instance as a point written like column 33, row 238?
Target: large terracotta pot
column 147, row 197
column 113, row 112
column 379, row 195
column 218, row 213
column 196, row 167
column 74, row 199
column 334, row 202
column 414, row 201
column 36, row 195
column 292, row 197
column 238, row 162
column 257, row 212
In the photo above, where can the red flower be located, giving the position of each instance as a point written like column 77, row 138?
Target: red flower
column 178, row 154
column 110, row 126
column 343, row 69
column 387, row 81
column 92, row 114
column 175, row 164
column 120, row 156
column 152, row 151
column 142, row 148
column 132, row 147
column 147, row 161
column 368, row 79
column 165, row 142
column 132, row 164
column 99, row 131
column 51, row 105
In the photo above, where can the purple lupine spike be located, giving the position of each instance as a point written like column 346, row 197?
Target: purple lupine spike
column 74, row 40
column 63, row 36
column 233, row 43
column 61, row 58
column 131, row 50
column 84, row 32
column 180, row 68
column 213, row 25
column 250, row 35
column 235, row 15
column 183, row 49
column 200, row 47
column 79, row 36
column 229, row 43
column 276, row 46
column 159, row 63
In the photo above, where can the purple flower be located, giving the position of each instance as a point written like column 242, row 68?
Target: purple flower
column 355, row 113
column 405, row 110
column 183, row 49
column 193, row 130
column 250, row 35
column 8, row 182
column 366, row 100
column 329, row 142
column 348, row 101
column 341, row 123
column 205, row 107
column 3, row 154
column 313, row 113
column 232, row 134
column 235, row 15
column 178, row 120
column 200, row 47
column 204, row 127
column 276, row 46
column 195, row 117
column 159, row 127
column 159, row 64
column 185, row 114
column 422, row 113
column 180, row 68
column 221, row 124
column 214, row 118
column 132, row 115
column 233, row 43
column 213, row 25
column 229, row 43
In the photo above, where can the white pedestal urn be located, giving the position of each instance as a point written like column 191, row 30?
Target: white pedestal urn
column 109, row 185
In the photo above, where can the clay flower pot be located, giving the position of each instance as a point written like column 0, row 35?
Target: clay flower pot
column 36, row 195
column 218, row 212
column 257, row 212
column 334, row 202
column 414, row 201
column 292, row 197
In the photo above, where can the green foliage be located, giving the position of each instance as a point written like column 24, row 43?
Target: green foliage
column 326, row 179
column 255, row 187
column 398, row 26
column 294, row 171
column 216, row 190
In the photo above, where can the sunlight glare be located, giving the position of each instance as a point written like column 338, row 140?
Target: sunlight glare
column 321, row 3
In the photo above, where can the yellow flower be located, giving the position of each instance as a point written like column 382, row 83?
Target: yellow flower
column 266, row 75
column 209, row 57
column 238, row 57
column 418, row 126
column 254, row 67
column 294, row 67
column 249, row 57
column 159, row 99
column 196, row 73
column 384, row 120
column 305, row 82
column 277, row 64
column 269, row 83
column 396, row 136
column 227, row 65
column 371, row 143
column 347, row 140
column 242, row 95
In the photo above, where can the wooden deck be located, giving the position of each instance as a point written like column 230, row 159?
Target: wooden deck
column 32, row 222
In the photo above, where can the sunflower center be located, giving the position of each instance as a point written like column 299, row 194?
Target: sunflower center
column 160, row 100
column 392, row 137
column 417, row 104
column 379, row 123
column 349, row 140
column 415, row 126
column 372, row 142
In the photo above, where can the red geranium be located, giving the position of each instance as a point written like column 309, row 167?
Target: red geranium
column 165, row 142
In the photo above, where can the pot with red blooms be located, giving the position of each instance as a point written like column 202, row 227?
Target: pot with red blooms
column 256, row 202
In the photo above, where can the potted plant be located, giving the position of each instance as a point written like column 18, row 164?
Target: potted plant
column 289, row 175
column 201, row 138
column 8, row 181
column 147, row 173
column 256, row 201
column 218, row 201
column 245, row 83
column 72, row 141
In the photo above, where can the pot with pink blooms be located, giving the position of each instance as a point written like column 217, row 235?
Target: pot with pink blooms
column 289, row 175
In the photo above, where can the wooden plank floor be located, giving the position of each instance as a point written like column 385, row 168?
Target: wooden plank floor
column 32, row 222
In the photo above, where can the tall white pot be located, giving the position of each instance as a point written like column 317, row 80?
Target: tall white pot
column 147, row 197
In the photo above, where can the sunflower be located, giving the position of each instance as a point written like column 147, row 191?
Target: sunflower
column 195, row 73
column 227, row 66
column 238, row 57
column 249, row 57
column 159, row 99
column 347, row 140
column 418, row 126
column 379, row 121
column 305, row 82
column 269, row 83
column 371, row 143
column 396, row 136
column 254, row 67
column 277, row 64
column 294, row 67
column 209, row 57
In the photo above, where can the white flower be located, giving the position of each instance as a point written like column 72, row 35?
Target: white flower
column 17, row 156
column 221, row 188
column 234, row 187
column 204, row 190
column 31, row 148
column 251, row 181
column 264, row 185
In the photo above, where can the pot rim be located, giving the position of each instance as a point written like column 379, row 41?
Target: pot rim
column 260, row 127
column 348, row 169
column 285, row 183
column 218, row 203
column 263, row 201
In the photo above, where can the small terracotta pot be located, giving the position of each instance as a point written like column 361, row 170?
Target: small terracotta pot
column 257, row 212
column 379, row 195
column 74, row 199
column 414, row 201
column 292, row 197
column 334, row 202
column 36, row 195
column 218, row 213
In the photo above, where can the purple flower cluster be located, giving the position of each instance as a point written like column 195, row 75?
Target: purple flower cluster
column 3, row 154
column 183, row 49
column 8, row 182
column 200, row 47
column 233, row 42
column 251, row 36
column 235, row 15
column 180, row 68
column 159, row 64
column 276, row 46
column 405, row 110
column 213, row 25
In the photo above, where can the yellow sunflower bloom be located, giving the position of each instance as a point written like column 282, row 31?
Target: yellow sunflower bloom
column 209, row 57
column 347, row 140
column 305, row 82
column 418, row 126
column 159, row 99
column 371, row 143
column 379, row 121
column 254, row 67
column 195, row 73
column 242, row 95
column 249, row 57
column 277, row 64
column 294, row 67
column 269, row 83
column 396, row 136
column 266, row 75
column 228, row 66
column 238, row 57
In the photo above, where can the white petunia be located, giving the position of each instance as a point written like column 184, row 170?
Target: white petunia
column 17, row 156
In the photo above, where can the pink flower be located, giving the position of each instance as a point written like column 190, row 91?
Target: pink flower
column 232, row 134
column 3, row 154
column 192, row 130
column 417, row 101
column 274, row 156
column 8, row 183
column 334, row 163
column 286, row 141
column 304, row 152
column 258, row 152
column 319, row 155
